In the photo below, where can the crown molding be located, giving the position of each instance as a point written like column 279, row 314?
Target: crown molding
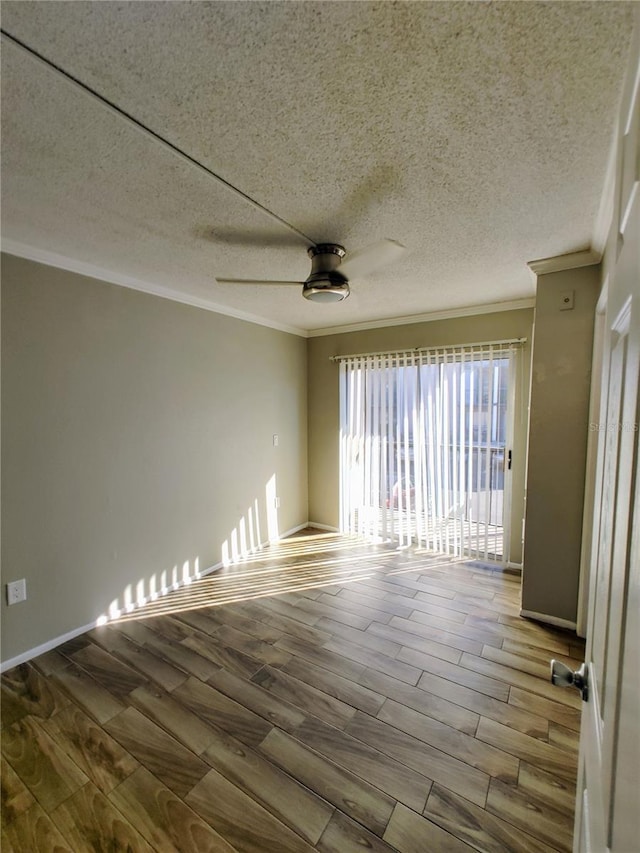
column 574, row 260
column 53, row 259
column 452, row 314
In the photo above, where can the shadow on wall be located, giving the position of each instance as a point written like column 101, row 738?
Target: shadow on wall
column 244, row 541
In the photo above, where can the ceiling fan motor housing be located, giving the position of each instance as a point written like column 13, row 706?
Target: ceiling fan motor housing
column 326, row 283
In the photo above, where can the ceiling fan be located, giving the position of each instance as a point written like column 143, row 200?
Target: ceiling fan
column 329, row 277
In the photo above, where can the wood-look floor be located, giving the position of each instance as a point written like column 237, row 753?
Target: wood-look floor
column 325, row 695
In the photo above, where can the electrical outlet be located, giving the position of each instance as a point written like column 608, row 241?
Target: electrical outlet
column 276, row 440
column 277, row 502
column 16, row 591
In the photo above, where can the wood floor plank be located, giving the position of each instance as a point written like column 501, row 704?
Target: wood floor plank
column 230, row 615
column 175, row 766
column 530, row 814
column 115, row 676
column 420, row 700
column 543, row 755
column 221, row 711
column 491, row 760
column 88, row 694
column 390, row 776
column 512, row 676
column 50, row 662
column 344, row 835
column 245, row 824
column 26, row 691
column 484, row 705
column 141, row 658
column 558, row 793
column 305, row 697
column 344, row 689
column 394, row 583
column 564, row 738
column 399, row 669
column 278, row 712
column 471, row 611
column 409, row 832
column 375, row 605
column 224, row 656
column 330, row 612
column 539, row 653
column 322, row 657
column 89, row 822
column 447, row 647
column 289, row 801
column 49, row 774
column 33, row 832
column 517, row 632
column 289, row 627
column 283, row 608
column 477, row 827
column 548, row 708
column 169, row 627
column 356, row 606
column 253, row 647
column 350, row 794
column 421, row 757
column 181, row 656
column 457, row 674
column 370, row 640
column 205, row 622
column 163, row 819
column 452, row 626
column 16, row 797
column 161, row 707
column 523, row 664
column 94, row 751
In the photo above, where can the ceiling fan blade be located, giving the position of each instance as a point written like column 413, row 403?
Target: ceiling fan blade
column 256, row 281
column 371, row 258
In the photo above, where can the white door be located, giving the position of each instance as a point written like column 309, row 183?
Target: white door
column 608, row 798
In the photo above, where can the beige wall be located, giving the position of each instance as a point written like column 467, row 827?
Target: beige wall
column 324, row 404
column 136, row 433
column 559, row 428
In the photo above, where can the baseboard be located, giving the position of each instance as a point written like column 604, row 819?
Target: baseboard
column 549, row 620
column 293, row 530
column 45, row 647
column 516, row 568
column 102, row 620
column 323, row 527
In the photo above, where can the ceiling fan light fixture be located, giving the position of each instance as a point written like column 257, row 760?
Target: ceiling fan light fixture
column 326, row 284
column 329, row 292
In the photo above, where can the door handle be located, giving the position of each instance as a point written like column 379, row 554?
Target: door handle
column 563, row 676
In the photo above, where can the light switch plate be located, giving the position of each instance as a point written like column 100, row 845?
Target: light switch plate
column 566, row 300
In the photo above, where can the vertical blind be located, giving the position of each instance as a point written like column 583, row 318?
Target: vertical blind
column 425, row 447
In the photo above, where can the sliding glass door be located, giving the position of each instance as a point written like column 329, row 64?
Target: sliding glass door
column 426, row 448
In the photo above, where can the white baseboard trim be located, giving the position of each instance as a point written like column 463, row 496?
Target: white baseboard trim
column 71, row 635
column 516, row 567
column 45, row 647
column 549, row 620
column 293, row 530
column 323, row 527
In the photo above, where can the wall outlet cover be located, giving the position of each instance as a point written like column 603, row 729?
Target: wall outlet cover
column 16, row 591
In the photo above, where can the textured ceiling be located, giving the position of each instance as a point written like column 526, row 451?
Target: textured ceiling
column 477, row 134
